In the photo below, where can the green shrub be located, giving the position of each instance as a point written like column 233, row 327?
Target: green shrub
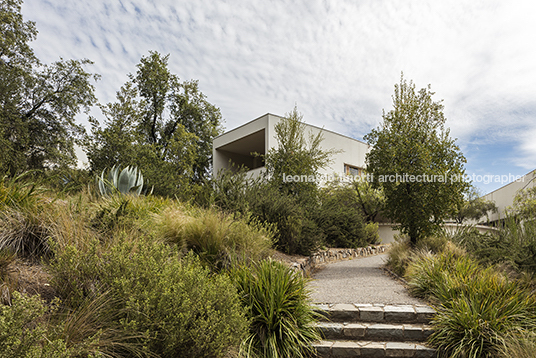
column 372, row 234
column 291, row 218
column 479, row 313
column 427, row 274
column 24, row 330
column 399, row 255
column 339, row 217
column 282, row 319
column 182, row 309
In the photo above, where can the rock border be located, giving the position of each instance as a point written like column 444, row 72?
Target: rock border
column 307, row 265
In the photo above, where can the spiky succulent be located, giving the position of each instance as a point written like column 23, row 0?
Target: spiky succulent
column 126, row 181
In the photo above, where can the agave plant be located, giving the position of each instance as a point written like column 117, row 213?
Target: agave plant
column 128, row 181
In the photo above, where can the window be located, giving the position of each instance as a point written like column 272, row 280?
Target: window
column 351, row 170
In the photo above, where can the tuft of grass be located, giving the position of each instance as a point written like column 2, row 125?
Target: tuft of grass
column 278, row 304
column 476, row 306
column 518, row 345
column 217, row 238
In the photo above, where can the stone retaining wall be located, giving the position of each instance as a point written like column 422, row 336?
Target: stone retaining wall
column 307, row 265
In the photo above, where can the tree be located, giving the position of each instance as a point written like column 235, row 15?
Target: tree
column 298, row 153
column 473, row 207
column 162, row 125
column 371, row 200
column 414, row 160
column 38, row 103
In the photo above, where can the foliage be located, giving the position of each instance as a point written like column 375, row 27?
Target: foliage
column 518, row 345
column 413, row 141
column 128, row 181
column 297, row 232
column 161, row 124
column 473, row 207
column 181, row 309
column 217, row 238
column 231, row 188
column 371, row 200
column 282, row 319
column 39, row 102
column 513, row 244
column 296, row 153
column 340, row 219
column 24, row 330
column 524, row 205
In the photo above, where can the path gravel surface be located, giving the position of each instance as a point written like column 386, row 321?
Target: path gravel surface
column 360, row 281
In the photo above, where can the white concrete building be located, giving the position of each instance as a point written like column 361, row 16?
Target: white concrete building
column 258, row 136
column 504, row 196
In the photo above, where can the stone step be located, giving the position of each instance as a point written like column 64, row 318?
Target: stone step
column 343, row 312
column 392, row 332
column 335, row 349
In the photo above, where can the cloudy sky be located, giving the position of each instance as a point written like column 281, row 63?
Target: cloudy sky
column 337, row 60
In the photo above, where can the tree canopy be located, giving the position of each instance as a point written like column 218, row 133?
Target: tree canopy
column 414, row 160
column 160, row 124
column 38, row 102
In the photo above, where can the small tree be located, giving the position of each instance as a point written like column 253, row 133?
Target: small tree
column 297, row 153
column 416, row 162
column 473, row 207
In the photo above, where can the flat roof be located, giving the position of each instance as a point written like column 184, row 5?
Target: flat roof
column 309, row 125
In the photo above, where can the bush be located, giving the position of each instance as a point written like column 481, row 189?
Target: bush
column 24, row 330
column 282, row 319
column 400, row 255
column 181, row 308
column 291, row 219
column 339, row 217
column 518, row 345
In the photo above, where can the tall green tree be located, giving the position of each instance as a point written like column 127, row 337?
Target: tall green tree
column 412, row 155
column 160, row 124
column 38, row 102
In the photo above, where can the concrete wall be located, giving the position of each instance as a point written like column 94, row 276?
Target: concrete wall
column 387, row 233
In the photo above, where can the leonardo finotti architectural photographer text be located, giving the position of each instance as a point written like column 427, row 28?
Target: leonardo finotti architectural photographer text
column 404, row 178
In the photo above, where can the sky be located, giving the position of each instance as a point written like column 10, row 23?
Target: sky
column 338, row 61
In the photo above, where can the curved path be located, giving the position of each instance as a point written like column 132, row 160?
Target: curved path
column 360, row 281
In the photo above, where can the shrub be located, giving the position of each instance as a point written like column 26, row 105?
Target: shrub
column 282, row 319
column 479, row 313
column 339, row 217
column 399, row 255
column 24, row 330
column 289, row 217
column 427, row 274
column 183, row 309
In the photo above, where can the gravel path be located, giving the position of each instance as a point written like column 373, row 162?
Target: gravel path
column 358, row 281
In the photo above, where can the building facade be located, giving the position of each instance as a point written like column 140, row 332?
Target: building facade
column 244, row 145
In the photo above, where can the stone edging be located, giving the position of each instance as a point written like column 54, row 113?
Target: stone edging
column 307, row 265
